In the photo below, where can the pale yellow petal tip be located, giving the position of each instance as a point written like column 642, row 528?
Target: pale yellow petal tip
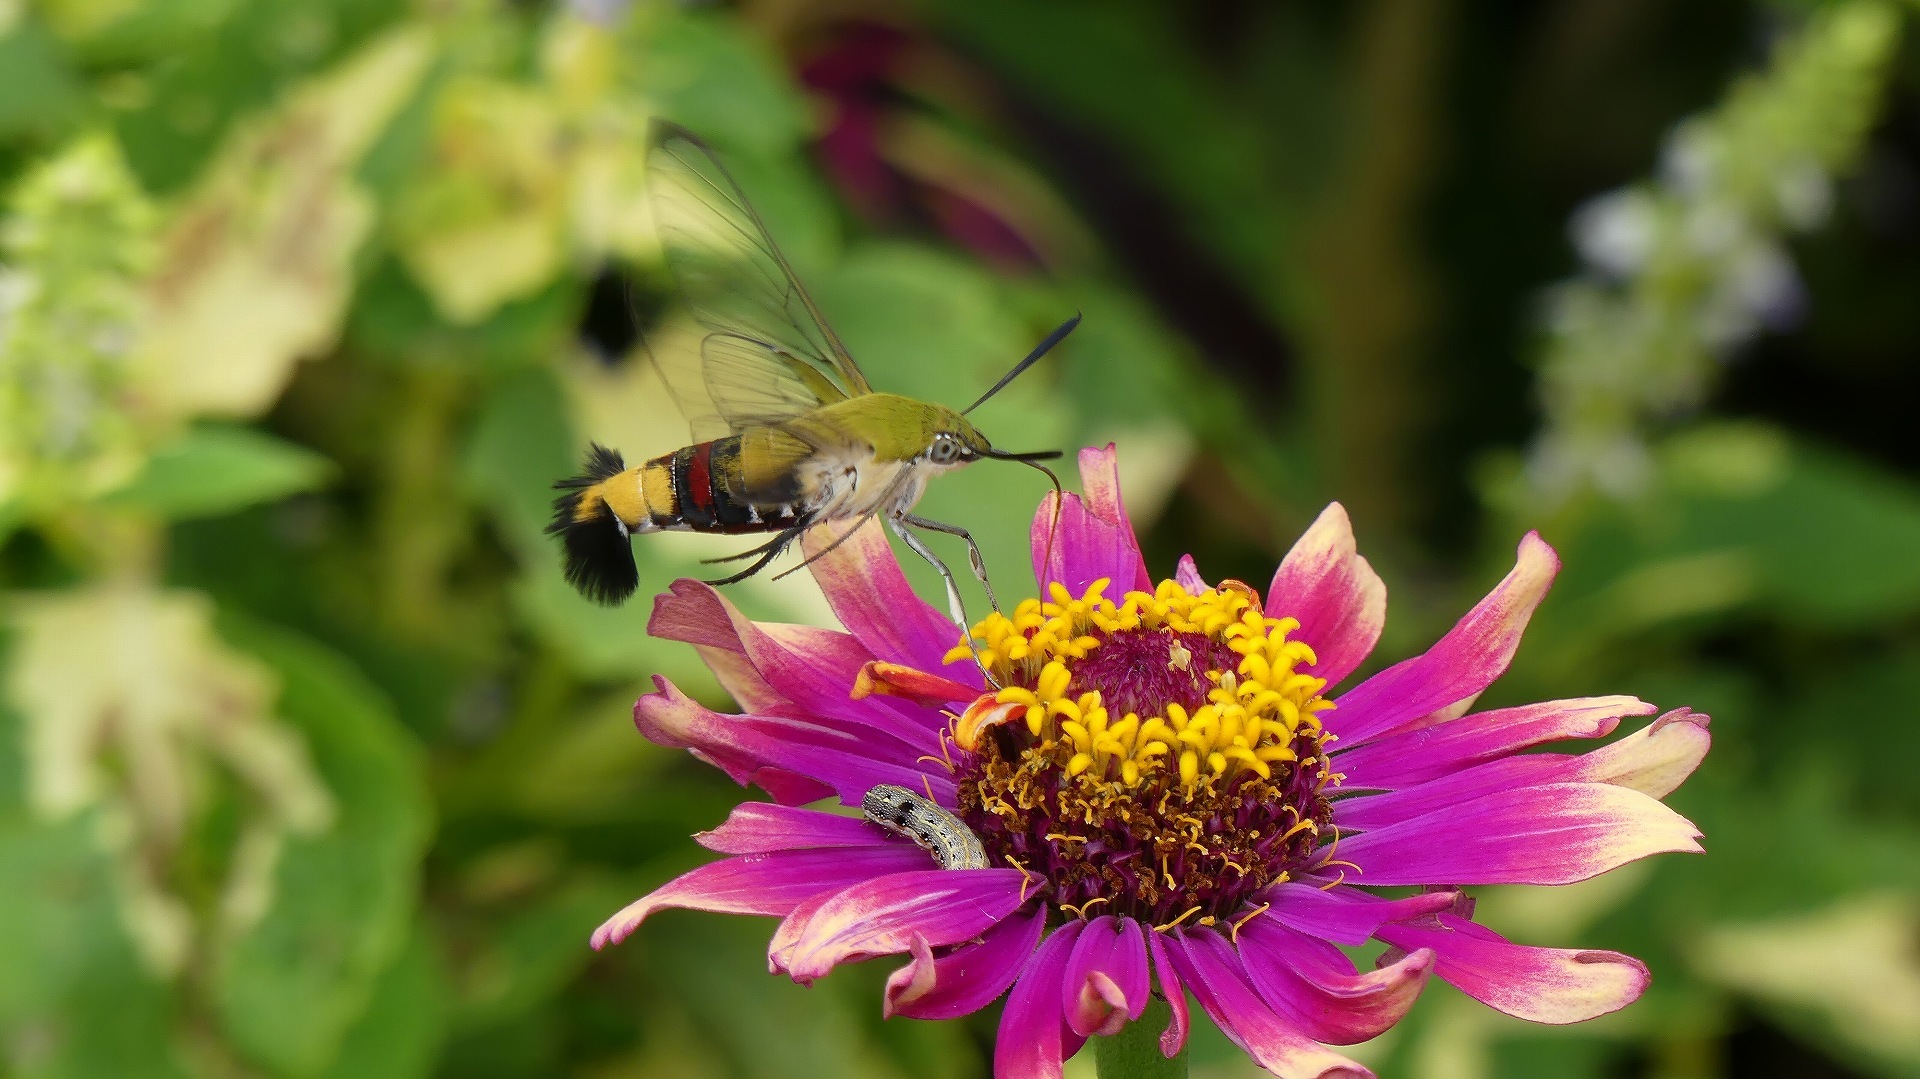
column 1658, row 758
column 1537, row 556
column 621, row 925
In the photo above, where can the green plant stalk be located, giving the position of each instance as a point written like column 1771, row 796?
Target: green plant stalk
column 1134, row 1053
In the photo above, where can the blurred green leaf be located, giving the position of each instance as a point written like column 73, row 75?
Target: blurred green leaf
column 532, row 953
column 214, row 469
column 399, row 1034
column 771, row 1028
column 39, row 95
column 699, row 71
column 74, row 1001
column 1830, row 536
column 290, row 988
column 216, row 73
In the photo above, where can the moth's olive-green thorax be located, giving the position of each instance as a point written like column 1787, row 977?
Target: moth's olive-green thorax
column 902, row 429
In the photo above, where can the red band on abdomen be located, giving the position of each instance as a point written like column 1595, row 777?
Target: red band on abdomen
column 700, row 478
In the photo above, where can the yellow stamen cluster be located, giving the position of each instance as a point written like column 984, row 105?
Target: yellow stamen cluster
column 1250, row 719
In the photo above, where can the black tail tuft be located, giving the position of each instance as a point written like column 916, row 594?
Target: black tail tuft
column 602, row 463
column 599, row 556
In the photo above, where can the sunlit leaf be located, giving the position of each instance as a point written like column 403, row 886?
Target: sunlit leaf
column 1850, row 973
column 483, row 221
column 256, row 270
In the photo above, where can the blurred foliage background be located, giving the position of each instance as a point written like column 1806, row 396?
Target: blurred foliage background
column 312, row 766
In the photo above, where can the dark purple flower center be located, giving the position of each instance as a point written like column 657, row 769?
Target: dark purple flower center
column 1160, row 759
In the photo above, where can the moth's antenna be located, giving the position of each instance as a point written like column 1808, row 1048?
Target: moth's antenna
column 1039, row 350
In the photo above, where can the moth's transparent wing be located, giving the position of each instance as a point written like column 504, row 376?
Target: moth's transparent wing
column 767, row 355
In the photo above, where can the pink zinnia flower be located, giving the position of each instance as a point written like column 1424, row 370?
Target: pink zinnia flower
column 1169, row 799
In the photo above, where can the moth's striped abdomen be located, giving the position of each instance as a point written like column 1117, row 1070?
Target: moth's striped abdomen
column 937, row 831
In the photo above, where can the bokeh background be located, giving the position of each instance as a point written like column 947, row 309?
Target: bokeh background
column 312, row 766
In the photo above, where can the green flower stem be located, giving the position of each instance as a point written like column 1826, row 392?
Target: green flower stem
column 1134, row 1053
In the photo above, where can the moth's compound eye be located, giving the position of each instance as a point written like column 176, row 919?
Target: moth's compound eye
column 945, row 450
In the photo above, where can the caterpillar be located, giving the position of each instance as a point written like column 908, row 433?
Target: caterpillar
column 937, row 831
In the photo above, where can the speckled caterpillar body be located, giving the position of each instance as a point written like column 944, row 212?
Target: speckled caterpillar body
column 939, row 832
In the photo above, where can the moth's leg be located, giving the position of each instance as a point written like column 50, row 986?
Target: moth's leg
column 843, row 537
column 957, row 609
column 973, row 550
column 778, row 541
column 767, row 551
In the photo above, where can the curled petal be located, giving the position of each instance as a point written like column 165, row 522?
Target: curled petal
column 1174, row 1038
column 1543, row 985
column 966, row 978
column 1106, row 979
column 762, row 884
column 850, row 763
column 882, row 916
column 1404, row 758
column 1313, row 983
column 1556, row 834
column 1094, row 538
column 1653, row 761
column 1034, row 1040
column 914, row 684
column 1345, row 915
column 1340, row 602
column 1465, row 661
column 981, row 716
column 1213, row 972
column 792, row 928
column 870, row 595
column 760, row 828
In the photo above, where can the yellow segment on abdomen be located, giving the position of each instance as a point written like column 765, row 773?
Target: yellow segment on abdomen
column 640, row 495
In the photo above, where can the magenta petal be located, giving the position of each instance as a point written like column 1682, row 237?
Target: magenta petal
column 1210, row 968
column 1415, row 756
column 1340, row 602
column 1544, row 985
column 1106, row 980
column 814, row 669
column 1465, row 661
column 1174, row 1038
column 870, row 595
column 762, row 883
column 1345, row 915
column 757, row 828
column 1369, row 812
column 882, row 916
column 787, row 787
column 1095, row 537
column 1187, row 575
column 1314, row 984
column 851, row 763
column 966, row 978
column 1034, row 1040
column 1556, row 834
column 1653, row 760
